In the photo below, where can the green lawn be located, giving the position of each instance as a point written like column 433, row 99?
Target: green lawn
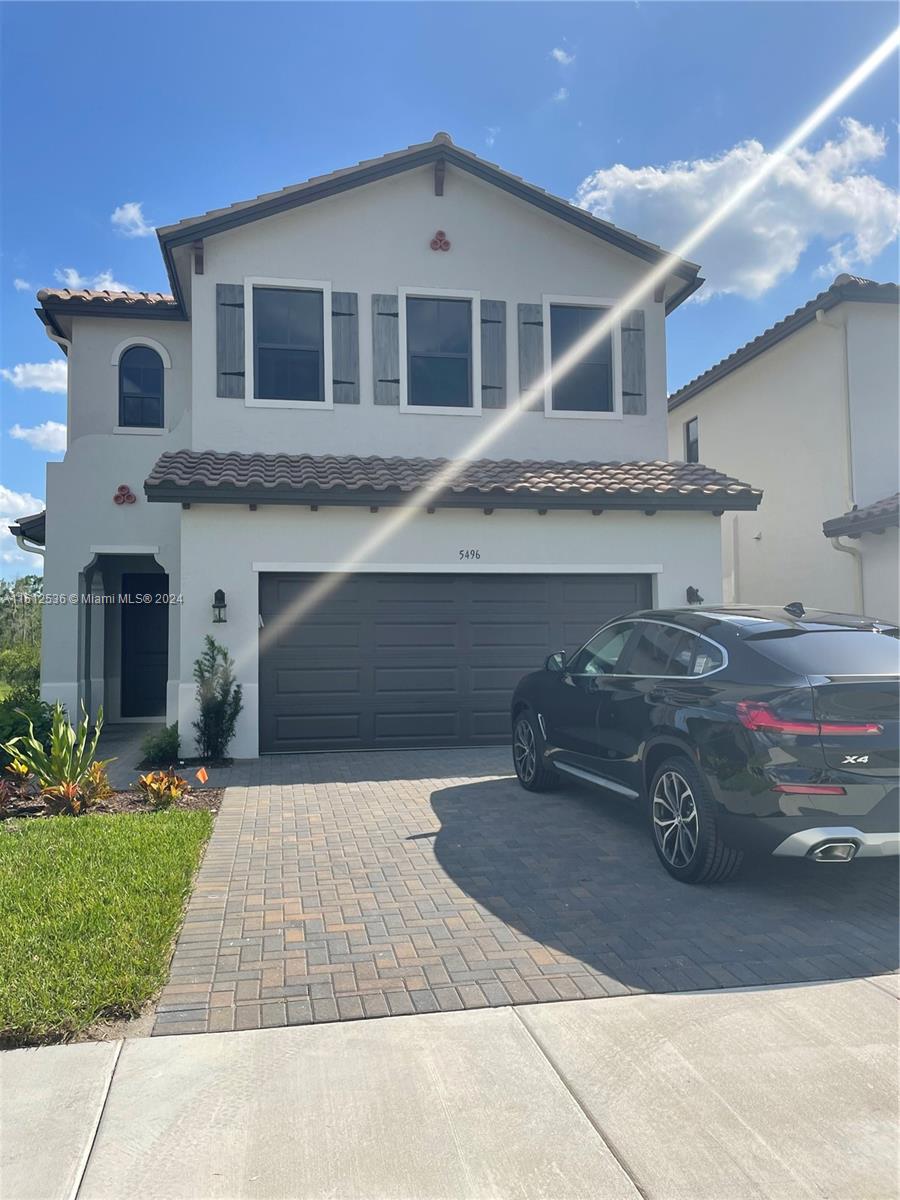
column 89, row 908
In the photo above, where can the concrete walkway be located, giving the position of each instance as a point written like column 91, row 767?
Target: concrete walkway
column 781, row 1093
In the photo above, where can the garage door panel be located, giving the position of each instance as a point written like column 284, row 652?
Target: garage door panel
column 320, row 633
column 314, row 728
column 320, row 681
column 490, row 725
column 498, row 679
column 415, row 724
column 508, row 633
column 410, row 680
column 390, row 635
column 496, row 590
column 417, row 660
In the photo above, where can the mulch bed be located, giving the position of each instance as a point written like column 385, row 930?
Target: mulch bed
column 118, row 802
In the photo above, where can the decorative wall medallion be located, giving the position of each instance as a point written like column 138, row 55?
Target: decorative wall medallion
column 439, row 241
column 124, row 495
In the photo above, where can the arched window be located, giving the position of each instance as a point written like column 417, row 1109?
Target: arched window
column 141, row 388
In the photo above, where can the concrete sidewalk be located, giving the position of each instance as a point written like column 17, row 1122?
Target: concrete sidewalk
column 782, row 1093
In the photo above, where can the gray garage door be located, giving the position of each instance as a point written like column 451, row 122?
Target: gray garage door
column 417, row 660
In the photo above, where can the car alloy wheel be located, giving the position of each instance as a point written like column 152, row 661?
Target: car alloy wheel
column 676, row 824
column 524, row 751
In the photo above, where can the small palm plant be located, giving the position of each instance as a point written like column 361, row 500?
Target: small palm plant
column 65, row 771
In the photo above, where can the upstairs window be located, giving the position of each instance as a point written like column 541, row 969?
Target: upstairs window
column 141, row 389
column 691, row 441
column 588, row 385
column 288, row 344
column 439, row 352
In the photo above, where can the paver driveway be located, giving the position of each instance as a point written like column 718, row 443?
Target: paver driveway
column 369, row 884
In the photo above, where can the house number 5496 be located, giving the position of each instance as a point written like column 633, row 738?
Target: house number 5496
column 466, row 555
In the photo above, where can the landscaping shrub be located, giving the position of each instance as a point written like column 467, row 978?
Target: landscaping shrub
column 20, row 668
column 219, row 700
column 62, row 770
column 161, row 745
column 162, row 788
column 15, row 723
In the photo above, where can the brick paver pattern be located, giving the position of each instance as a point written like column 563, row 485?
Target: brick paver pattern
column 343, row 886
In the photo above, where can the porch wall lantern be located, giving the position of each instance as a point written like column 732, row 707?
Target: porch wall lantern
column 218, row 607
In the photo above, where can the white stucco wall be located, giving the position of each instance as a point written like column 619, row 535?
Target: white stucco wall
column 225, row 546
column 873, row 359
column 375, row 239
column 881, row 574
column 93, row 402
column 778, row 423
column 82, row 522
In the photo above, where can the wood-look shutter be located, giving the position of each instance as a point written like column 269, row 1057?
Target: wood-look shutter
column 634, row 368
column 386, row 349
column 493, row 354
column 531, row 351
column 230, row 340
column 345, row 347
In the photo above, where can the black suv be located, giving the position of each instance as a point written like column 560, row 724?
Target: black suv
column 760, row 729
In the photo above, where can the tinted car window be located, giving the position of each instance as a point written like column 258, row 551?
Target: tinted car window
column 601, row 655
column 654, row 647
column 832, row 652
column 707, row 657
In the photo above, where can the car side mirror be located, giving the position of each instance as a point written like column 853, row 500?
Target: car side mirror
column 556, row 662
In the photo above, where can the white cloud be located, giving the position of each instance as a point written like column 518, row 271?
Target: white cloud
column 559, row 96
column 128, row 219
column 50, row 436
column 561, row 56
column 43, row 377
column 490, row 134
column 814, row 196
column 21, row 285
column 12, row 506
column 70, row 277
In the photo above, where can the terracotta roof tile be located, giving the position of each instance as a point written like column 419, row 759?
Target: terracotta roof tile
column 280, row 478
column 79, row 297
column 871, row 518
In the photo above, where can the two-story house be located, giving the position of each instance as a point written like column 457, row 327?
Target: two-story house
column 809, row 410
column 263, row 453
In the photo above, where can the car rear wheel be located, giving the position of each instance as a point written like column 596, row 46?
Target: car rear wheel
column 684, row 826
column 528, row 756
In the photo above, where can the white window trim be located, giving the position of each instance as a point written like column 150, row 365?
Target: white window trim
column 425, row 293
column 150, row 343
column 309, row 285
column 584, row 302
column 141, row 430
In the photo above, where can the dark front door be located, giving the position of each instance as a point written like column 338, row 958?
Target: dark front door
column 416, row 660
column 145, row 645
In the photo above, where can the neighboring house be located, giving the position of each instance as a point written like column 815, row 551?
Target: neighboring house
column 809, row 411
column 258, row 436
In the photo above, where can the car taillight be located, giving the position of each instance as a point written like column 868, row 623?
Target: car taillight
column 762, row 718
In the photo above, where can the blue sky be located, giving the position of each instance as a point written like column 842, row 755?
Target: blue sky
column 182, row 107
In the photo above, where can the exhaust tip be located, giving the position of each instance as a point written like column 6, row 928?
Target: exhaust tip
column 834, row 852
